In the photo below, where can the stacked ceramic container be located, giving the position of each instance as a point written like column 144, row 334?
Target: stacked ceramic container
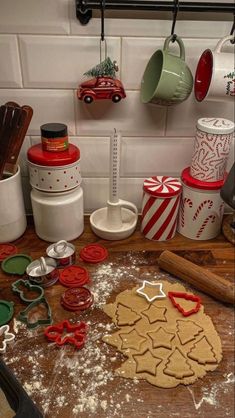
column 201, row 207
column 56, row 196
column 160, row 207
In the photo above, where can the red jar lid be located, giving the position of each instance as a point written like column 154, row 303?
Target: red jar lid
column 198, row 184
column 38, row 156
column 162, row 186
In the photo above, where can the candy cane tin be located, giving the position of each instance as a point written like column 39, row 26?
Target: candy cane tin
column 63, row 252
column 160, row 206
column 211, row 149
column 201, row 208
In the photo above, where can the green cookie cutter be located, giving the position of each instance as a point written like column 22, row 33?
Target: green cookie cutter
column 27, row 285
column 6, row 311
column 24, row 315
column 16, row 264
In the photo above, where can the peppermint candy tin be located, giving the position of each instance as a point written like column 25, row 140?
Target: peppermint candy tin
column 201, row 208
column 160, row 206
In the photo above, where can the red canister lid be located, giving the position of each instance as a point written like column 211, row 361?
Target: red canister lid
column 198, row 184
column 162, row 186
column 38, row 156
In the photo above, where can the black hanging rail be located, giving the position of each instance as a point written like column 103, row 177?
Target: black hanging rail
column 84, row 7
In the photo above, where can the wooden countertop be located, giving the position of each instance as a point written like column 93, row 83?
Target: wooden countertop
column 67, row 383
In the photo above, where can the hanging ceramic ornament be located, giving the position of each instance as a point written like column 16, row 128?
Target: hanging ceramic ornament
column 102, row 82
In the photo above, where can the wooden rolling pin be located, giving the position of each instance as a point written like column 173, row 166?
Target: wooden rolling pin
column 199, row 277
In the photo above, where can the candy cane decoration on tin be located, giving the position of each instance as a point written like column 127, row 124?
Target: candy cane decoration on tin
column 221, row 210
column 185, row 201
column 212, row 217
column 207, row 203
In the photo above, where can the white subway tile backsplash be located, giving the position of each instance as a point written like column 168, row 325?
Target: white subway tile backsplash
column 182, row 118
column 34, row 16
column 10, row 73
column 94, row 155
column 48, row 106
column 152, row 156
column 96, row 192
column 129, row 116
column 60, row 61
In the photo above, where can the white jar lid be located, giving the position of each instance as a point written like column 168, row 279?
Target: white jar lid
column 215, row 125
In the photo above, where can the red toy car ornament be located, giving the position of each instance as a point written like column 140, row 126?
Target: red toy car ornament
column 99, row 88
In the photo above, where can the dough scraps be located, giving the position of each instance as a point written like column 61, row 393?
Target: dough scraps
column 161, row 345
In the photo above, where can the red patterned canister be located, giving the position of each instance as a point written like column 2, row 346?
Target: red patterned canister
column 160, row 206
column 201, row 208
column 211, row 149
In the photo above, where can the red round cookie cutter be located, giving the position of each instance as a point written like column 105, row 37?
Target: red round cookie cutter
column 74, row 276
column 6, row 250
column 76, row 299
column 93, row 253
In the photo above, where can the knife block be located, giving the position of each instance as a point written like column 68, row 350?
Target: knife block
column 12, row 212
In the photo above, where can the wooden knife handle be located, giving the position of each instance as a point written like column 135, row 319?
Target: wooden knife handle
column 199, row 277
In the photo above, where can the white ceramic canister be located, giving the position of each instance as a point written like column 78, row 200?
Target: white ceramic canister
column 54, row 171
column 211, row 149
column 201, row 208
column 160, row 207
column 58, row 216
column 12, row 212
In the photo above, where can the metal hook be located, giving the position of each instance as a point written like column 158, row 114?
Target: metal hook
column 102, row 6
column 233, row 30
column 175, row 12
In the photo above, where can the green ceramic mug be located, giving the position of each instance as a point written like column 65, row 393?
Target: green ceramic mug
column 167, row 79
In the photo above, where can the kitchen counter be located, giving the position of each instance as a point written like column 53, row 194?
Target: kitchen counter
column 67, row 383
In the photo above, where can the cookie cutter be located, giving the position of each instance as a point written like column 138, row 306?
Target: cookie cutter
column 32, row 287
column 63, row 252
column 8, row 337
column 55, row 333
column 186, row 296
column 24, row 315
column 6, row 311
column 158, row 285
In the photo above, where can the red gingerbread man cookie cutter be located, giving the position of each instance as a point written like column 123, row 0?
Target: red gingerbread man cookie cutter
column 55, row 333
column 186, row 296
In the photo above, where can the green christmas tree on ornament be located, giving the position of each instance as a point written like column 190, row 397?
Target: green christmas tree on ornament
column 105, row 68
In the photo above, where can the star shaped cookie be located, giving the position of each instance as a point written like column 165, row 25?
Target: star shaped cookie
column 131, row 339
column 146, row 363
column 155, row 314
column 161, row 338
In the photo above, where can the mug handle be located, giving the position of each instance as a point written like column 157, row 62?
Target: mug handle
column 128, row 205
column 222, row 42
column 179, row 42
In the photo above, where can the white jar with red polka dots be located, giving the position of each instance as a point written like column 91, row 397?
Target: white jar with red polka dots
column 54, row 171
column 56, row 196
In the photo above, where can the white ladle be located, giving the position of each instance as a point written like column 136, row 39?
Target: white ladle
column 117, row 220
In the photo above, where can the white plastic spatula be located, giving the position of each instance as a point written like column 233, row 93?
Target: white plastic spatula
column 117, row 220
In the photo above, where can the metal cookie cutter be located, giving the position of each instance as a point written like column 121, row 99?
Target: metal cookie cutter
column 43, row 272
column 17, row 288
column 55, row 333
column 24, row 315
column 63, row 252
column 8, row 337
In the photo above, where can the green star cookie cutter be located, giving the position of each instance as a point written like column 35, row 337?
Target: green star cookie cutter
column 17, row 288
column 24, row 315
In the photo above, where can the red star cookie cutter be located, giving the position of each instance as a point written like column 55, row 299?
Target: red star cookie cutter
column 55, row 333
column 186, row 296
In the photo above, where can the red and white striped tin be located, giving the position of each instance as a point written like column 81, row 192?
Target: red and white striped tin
column 160, row 207
column 201, row 208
